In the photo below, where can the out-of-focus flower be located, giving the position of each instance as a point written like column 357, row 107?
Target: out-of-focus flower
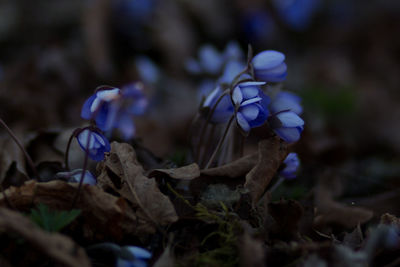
column 287, row 125
column 98, row 144
column 114, row 108
column 297, row 14
column 291, row 165
column 75, row 176
column 224, row 109
column 251, row 105
column 231, row 70
column 147, row 69
column 269, row 66
column 286, row 101
column 258, row 25
column 140, row 257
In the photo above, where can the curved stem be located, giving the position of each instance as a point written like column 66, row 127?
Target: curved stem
column 221, row 141
column 85, row 162
column 21, row 147
column 277, row 184
column 204, row 127
column 66, row 158
column 208, row 144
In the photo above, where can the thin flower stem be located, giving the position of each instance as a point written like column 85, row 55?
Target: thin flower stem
column 21, row 147
column 277, row 184
column 208, row 144
column 66, row 157
column 221, row 141
column 204, row 127
column 85, row 162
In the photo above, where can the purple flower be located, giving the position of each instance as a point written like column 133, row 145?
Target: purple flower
column 269, row 66
column 114, row 108
column 291, row 165
column 224, row 109
column 286, row 101
column 231, row 70
column 75, row 176
column 287, row 125
column 140, row 257
column 251, row 105
column 98, row 144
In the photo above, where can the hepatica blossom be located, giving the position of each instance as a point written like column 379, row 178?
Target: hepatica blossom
column 140, row 257
column 287, row 125
column 251, row 105
column 286, row 101
column 114, row 108
column 291, row 166
column 75, row 176
column 96, row 143
column 269, row 66
column 224, row 109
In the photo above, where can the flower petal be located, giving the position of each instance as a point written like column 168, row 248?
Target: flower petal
column 139, row 253
column 243, row 124
column 251, row 101
column 289, row 135
column 250, row 112
column 86, row 112
column 267, row 59
column 290, row 119
column 237, row 95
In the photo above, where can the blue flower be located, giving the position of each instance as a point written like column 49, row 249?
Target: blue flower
column 297, row 13
column 98, row 144
column 140, row 257
column 287, row 125
column 251, row 105
column 269, row 66
column 75, row 176
column 224, row 109
column 291, row 165
column 286, row 101
column 114, row 108
column 231, row 70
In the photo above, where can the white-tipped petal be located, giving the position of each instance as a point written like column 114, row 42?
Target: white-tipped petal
column 290, row 119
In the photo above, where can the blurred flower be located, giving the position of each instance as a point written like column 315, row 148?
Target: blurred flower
column 231, row 70
column 75, row 176
column 204, row 89
column 251, row 105
column 98, row 144
column 140, row 257
column 286, row 101
column 224, row 109
column 291, row 165
column 269, row 66
column 258, row 25
column 287, row 125
column 297, row 14
column 114, row 108
column 147, row 69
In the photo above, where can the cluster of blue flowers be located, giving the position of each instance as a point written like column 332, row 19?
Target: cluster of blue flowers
column 246, row 99
column 110, row 108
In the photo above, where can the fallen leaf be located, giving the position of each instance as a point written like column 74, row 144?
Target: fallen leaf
column 166, row 259
column 188, row 172
column 331, row 212
column 235, row 169
column 122, row 173
column 251, row 250
column 59, row 248
column 103, row 216
column 271, row 153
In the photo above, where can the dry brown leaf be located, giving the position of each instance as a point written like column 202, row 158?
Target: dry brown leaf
column 122, row 173
column 11, row 160
column 235, row 169
column 166, row 259
column 331, row 212
column 188, row 172
column 104, row 216
column 271, row 153
column 251, row 250
column 59, row 248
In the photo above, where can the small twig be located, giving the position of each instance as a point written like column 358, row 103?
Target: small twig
column 221, row 141
column 21, row 147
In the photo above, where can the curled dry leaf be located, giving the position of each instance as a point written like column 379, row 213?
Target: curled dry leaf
column 188, row 172
column 60, row 249
column 121, row 173
column 103, row 216
column 330, row 211
column 235, row 169
column 271, row 153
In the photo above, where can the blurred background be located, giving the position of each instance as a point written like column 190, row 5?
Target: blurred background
column 343, row 59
